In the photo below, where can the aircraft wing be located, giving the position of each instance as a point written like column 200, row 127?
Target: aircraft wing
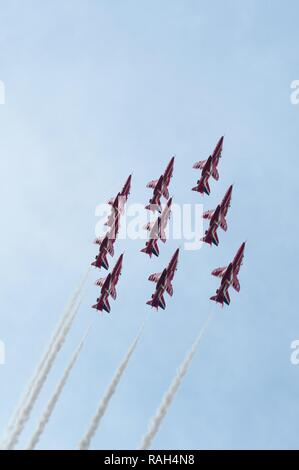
column 154, row 277
column 215, row 174
column 152, row 184
column 116, row 277
column 165, row 192
column 100, row 282
column 110, row 249
column 199, row 165
column 218, row 272
column 208, row 214
column 169, row 290
column 98, row 241
column 223, row 224
column 149, row 226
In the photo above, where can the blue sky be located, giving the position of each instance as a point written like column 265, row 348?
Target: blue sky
column 94, row 91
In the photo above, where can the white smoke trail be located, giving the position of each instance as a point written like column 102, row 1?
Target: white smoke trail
column 38, row 384
column 46, row 415
column 44, row 369
column 84, row 444
column 63, row 319
column 170, row 394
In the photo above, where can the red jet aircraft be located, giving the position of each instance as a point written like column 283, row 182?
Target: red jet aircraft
column 151, row 246
column 202, row 185
column 157, row 299
column 118, row 204
column 160, row 186
column 106, row 246
column 229, row 277
column 162, row 220
column 209, row 168
column 170, row 272
column 103, row 300
column 111, row 235
column 211, row 236
column 224, row 206
column 157, row 230
column 101, row 260
column 217, row 219
column 115, row 274
column 155, row 201
column 216, row 155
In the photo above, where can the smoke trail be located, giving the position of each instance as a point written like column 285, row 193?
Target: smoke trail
column 62, row 321
column 170, row 394
column 55, row 336
column 37, row 384
column 55, row 397
column 84, row 444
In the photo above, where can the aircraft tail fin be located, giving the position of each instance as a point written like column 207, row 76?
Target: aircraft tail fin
column 162, row 302
column 146, row 250
column 215, row 238
column 105, row 263
column 206, row 188
column 155, row 248
column 151, row 302
column 106, row 305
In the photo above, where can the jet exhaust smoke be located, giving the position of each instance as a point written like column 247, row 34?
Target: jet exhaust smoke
column 170, row 394
column 41, row 364
column 84, row 444
column 55, row 397
column 40, row 377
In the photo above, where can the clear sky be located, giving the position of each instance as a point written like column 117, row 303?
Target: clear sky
column 96, row 90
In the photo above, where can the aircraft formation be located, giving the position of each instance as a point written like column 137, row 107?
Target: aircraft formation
column 157, row 232
column 229, row 277
column 217, row 218
column 106, row 247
